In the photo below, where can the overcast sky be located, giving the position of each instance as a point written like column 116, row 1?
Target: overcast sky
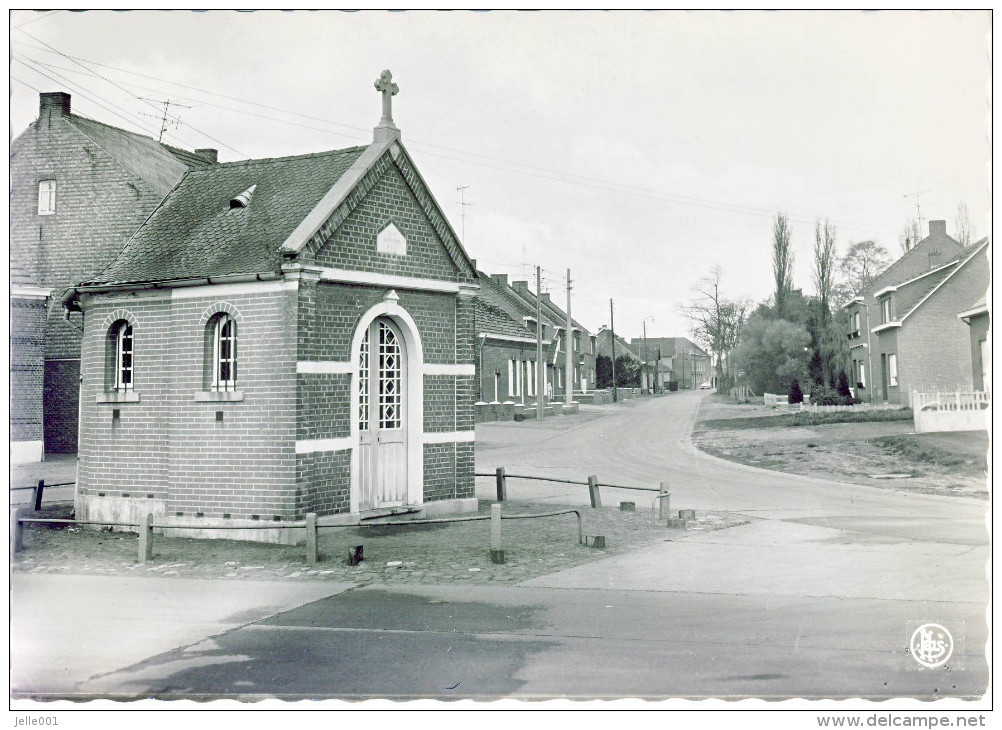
column 639, row 150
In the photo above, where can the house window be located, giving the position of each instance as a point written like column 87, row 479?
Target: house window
column 862, row 375
column 224, row 354
column 123, row 358
column 892, row 369
column 885, row 309
column 47, row 197
column 511, row 378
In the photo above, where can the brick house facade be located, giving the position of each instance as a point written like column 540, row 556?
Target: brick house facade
column 679, row 360
column 917, row 342
column 978, row 320
column 933, row 256
column 79, row 189
column 300, row 338
column 506, row 348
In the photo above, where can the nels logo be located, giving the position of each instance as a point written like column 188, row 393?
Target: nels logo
column 931, row 645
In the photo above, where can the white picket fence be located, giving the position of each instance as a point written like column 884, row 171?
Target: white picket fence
column 955, row 411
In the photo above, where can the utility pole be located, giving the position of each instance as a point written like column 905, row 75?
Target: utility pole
column 165, row 120
column 612, row 333
column 647, row 372
column 462, row 209
column 569, row 371
column 540, row 365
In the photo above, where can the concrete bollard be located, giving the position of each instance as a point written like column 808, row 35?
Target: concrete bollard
column 312, row 554
column 497, row 552
column 146, row 538
column 687, row 514
column 673, row 523
column 664, row 501
column 627, row 506
column 596, row 498
column 502, row 485
column 16, row 529
column 595, row 541
column 38, row 494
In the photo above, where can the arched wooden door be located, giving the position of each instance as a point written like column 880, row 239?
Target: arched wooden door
column 382, row 417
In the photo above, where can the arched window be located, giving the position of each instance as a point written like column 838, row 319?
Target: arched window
column 119, row 358
column 224, row 353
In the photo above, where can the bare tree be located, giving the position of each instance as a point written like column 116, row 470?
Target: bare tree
column 715, row 321
column 824, row 267
column 965, row 232
column 910, row 234
column 863, row 262
column 782, row 261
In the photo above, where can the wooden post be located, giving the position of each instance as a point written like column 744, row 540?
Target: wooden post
column 497, row 552
column 502, row 485
column 664, row 501
column 596, row 498
column 16, row 529
column 146, row 538
column 38, row 494
column 312, row 554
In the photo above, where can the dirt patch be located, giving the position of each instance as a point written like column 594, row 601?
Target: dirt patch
column 431, row 554
column 851, row 452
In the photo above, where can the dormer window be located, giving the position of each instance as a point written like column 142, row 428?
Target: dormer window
column 244, row 199
column 47, row 197
column 885, row 309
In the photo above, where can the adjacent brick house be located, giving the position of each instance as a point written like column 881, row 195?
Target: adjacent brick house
column 978, row 321
column 679, row 360
column 906, row 335
column 79, row 189
column 933, row 256
column 506, row 347
column 282, row 336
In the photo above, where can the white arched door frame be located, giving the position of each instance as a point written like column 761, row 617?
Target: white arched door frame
column 414, row 392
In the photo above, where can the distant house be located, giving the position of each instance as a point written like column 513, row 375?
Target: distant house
column 977, row 319
column 506, row 346
column 79, row 189
column 603, row 345
column 679, row 359
column 904, row 331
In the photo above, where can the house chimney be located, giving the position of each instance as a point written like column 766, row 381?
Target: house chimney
column 209, row 155
column 53, row 103
column 545, row 296
column 500, row 279
column 522, row 287
column 937, row 228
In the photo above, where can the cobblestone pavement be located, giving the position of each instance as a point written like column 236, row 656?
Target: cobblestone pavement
column 423, row 554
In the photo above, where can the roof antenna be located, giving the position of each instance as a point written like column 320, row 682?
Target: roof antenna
column 166, row 121
column 463, row 205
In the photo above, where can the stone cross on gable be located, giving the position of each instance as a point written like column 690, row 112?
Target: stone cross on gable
column 384, row 84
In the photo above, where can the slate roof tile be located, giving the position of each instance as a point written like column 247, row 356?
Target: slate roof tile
column 194, row 233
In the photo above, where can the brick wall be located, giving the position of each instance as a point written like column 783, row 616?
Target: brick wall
column 494, row 358
column 61, row 398
column 934, row 345
column 99, row 205
column 173, row 445
column 27, row 318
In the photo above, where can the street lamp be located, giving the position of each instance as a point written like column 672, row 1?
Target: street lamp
column 646, row 355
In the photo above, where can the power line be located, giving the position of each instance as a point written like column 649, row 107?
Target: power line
column 562, row 177
column 56, row 50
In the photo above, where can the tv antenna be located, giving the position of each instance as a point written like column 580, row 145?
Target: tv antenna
column 166, row 120
column 918, row 206
column 462, row 207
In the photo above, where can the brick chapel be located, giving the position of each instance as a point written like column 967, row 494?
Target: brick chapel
column 282, row 336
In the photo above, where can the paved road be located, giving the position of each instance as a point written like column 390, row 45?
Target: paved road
column 818, row 596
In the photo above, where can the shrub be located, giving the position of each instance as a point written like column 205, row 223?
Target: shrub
column 796, row 394
column 843, row 387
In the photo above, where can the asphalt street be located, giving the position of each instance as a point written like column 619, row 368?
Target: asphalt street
column 818, row 596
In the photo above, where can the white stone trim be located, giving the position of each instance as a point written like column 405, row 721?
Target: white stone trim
column 885, row 326
column 26, row 452
column 508, row 338
column 236, row 289
column 391, row 281
column 29, row 292
column 308, row 446
column 886, row 290
column 974, row 311
column 325, row 367
column 449, row 437
column 447, row 369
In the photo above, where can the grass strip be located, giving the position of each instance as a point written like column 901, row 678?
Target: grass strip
column 806, row 418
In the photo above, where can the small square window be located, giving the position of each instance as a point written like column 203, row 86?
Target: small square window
column 47, row 197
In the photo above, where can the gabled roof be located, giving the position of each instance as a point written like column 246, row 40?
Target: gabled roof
column 522, row 305
column 194, row 233
column 968, row 255
column 495, row 315
column 158, row 164
column 886, row 277
column 622, row 346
